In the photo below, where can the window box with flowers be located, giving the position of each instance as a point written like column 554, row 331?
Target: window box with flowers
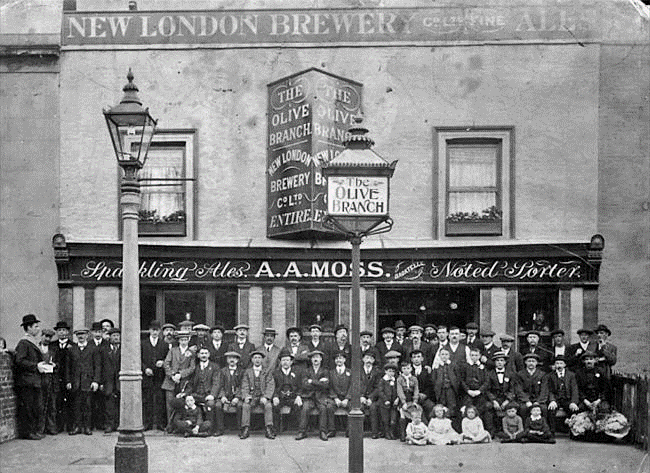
column 152, row 223
column 488, row 222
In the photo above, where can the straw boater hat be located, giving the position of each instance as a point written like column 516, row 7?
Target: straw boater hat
column 499, row 354
column 270, row 330
column 201, row 327
column 171, row 326
column 182, row 333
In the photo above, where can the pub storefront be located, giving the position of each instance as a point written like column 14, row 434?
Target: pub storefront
column 507, row 288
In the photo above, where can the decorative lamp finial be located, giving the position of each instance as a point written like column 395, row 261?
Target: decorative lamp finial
column 130, row 90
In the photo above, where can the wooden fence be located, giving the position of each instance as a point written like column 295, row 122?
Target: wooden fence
column 630, row 398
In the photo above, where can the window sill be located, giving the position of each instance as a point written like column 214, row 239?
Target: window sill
column 489, row 228
column 161, row 229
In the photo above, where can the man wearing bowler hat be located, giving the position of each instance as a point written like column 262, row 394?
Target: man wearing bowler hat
column 257, row 388
column 29, row 364
column 242, row 345
column 559, row 390
column 287, row 387
column 605, row 350
column 315, row 392
column 365, row 339
column 217, row 346
column 584, row 344
column 500, row 391
column 270, row 349
column 594, row 388
column 110, row 356
column 154, row 351
column 64, row 415
column 83, row 377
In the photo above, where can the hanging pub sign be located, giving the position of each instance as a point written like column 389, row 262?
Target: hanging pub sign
column 309, row 114
column 357, row 196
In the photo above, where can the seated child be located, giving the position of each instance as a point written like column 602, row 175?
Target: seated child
column 513, row 426
column 189, row 420
column 388, row 400
column 440, row 429
column 417, row 432
column 473, row 431
column 408, row 392
column 536, row 428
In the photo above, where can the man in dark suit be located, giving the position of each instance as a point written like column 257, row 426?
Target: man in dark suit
column 257, row 388
column 242, row 345
column 365, row 338
column 425, row 386
column 473, row 340
column 559, row 390
column 415, row 342
column 370, row 376
column 201, row 338
column 203, row 385
column 341, row 344
column 584, row 344
column 217, row 346
column 489, row 348
column 560, row 346
column 500, row 391
column 49, row 385
column 230, row 389
column 270, row 349
column 340, row 378
column 64, row 415
column 315, row 392
column 387, row 344
column 154, row 351
column 297, row 348
column 84, row 374
column 29, row 365
column 446, row 385
column 605, row 350
column 179, row 366
column 430, row 333
column 529, row 385
column 544, row 355
column 400, row 332
column 97, row 399
column 514, row 360
column 110, row 356
column 315, row 342
column 287, row 387
column 594, row 388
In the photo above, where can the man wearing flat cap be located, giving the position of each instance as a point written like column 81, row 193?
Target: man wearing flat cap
column 594, row 388
column 605, row 350
column 584, row 344
column 429, row 335
column 230, row 392
column 315, row 393
column 29, row 364
column 64, row 415
column 270, row 349
column 473, row 340
column 316, row 342
column 529, row 385
column 84, row 374
column 201, row 337
column 217, row 346
column 388, row 343
column 415, row 342
column 242, row 345
column 179, row 366
column 514, row 359
column 97, row 399
column 559, row 345
column 365, row 339
column 489, row 348
column 110, row 355
column 153, row 353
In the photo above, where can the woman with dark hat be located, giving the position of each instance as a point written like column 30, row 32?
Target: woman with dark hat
column 29, row 366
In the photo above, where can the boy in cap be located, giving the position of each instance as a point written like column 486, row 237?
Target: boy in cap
column 242, row 345
column 257, row 388
column 370, row 377
column 559, row 390
column 64, row 416
column 110, row 355
column 605, row 351
column 49, row 378
column 500, row 391
column 270, row 349
column 153, row 353
column 203, row 386
column 340, row 378
column 287, row 387
column 179, row 366
column 528, row 387
column 217, row 346
column 388, row 402
column 315, row 393
column 584, row 344
column 230, row 389
column 83, row 377
column 297, row 348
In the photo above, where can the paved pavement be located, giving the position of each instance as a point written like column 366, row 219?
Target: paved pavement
column 170, row 454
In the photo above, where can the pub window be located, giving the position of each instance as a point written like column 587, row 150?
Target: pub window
column 538, row 309
column 226, row 307
column 167, row 186
column 474, row 187
column 178, row 304
column 318, row 306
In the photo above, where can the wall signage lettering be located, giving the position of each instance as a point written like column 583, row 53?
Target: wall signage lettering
column 327, row 26
column 506, row 270
column 309, row 115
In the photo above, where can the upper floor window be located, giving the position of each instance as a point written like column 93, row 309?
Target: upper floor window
column 474, row 197
column 167, row 186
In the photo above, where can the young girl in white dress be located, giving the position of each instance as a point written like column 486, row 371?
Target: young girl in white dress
column 473, row 431
column 440, row 430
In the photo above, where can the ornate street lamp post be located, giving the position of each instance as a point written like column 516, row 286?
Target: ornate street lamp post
column 358, row 189
column 131, row 129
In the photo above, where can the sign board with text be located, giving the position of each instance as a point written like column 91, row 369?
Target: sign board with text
column 309, row 115
column 352, row 196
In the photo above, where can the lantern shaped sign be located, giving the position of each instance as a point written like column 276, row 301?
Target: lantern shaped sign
column 358, row 185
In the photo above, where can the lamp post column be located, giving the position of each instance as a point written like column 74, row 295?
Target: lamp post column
column 131, row 454
column 355, row 417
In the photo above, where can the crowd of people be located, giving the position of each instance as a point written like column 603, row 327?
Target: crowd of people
column 421, row 385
